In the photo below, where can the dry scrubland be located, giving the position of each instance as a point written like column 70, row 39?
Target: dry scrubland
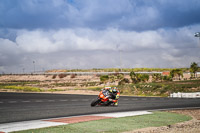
column 49, row 83
column 91, row 84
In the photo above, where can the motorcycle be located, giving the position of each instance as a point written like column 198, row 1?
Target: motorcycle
column 103, row 99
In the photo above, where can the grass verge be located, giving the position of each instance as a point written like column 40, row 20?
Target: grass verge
column 23, row 88
column 116, row 125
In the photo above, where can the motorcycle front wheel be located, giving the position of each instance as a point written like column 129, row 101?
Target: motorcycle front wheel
column 95, row 102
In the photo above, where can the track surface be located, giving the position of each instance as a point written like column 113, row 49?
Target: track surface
column 30, row 106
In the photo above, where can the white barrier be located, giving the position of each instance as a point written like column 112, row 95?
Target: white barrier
column 186, row 95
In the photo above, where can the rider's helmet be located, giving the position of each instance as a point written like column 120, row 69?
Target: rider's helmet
column 114, row 90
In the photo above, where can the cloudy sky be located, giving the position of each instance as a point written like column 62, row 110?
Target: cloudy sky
column 71, row 34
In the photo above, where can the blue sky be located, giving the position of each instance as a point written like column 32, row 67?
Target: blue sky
column 69, row 34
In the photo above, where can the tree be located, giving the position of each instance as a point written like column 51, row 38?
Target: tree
column 194, row 68
column 156, row 77
column 179, row 73
column 144, row 77
column 176, row 73
column 133, row 77
column 136, row 78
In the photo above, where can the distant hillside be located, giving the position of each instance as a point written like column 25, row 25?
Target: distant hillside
column 56, row 70
column 118, row 70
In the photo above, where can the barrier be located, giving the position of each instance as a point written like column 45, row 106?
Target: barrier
column 185, row 95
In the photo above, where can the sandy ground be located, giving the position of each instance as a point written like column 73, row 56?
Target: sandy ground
column 192, row 126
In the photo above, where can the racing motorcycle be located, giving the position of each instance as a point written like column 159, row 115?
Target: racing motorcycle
column 103, row 99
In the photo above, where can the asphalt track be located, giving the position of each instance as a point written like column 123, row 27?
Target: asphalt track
column 31, row 106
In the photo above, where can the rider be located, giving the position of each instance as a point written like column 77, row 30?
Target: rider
column 114, row 94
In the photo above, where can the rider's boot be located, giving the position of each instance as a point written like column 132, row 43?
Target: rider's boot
column 116, row 103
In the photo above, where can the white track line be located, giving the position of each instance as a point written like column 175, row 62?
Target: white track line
column 64, row 100
column 124, row 114
column 25, row 125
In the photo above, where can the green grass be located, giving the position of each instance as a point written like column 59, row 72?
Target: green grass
column 188, row 81
column 22, row 88
column 116, row 125
column 21, row 83
column 94, row 88
column 54, row 90
column 64, row 84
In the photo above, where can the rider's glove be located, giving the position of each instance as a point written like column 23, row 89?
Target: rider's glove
column 110, row 100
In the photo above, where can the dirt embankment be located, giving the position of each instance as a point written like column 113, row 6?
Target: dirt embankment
column 61, row 81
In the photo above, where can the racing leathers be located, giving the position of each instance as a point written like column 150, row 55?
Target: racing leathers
column 114, row 96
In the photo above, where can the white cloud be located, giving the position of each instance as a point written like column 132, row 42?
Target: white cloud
column 9, row 52
column 86, row 39
column 87, row 48
column 86, row 34
column 41, row 41
column 36, row 41
column 7, row 46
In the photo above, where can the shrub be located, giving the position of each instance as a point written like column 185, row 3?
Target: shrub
column 104, row 78
column 73, row 75
column 167, row 78
column 124, row 81
column 54, row 76
column 120, row 76
column 112, row 78
column 126, row 89
column 62, row 75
